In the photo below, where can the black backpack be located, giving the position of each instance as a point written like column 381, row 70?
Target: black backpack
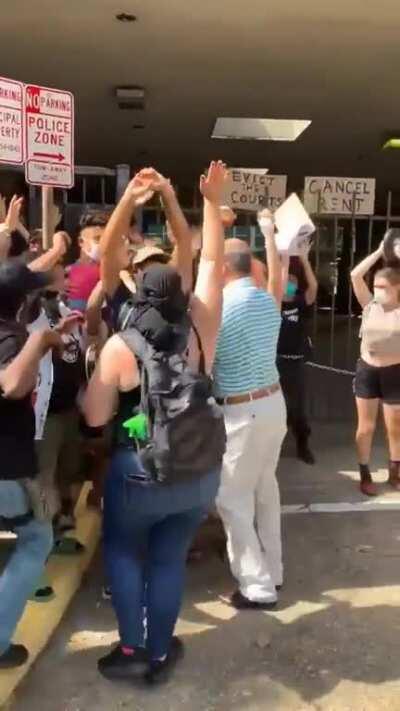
column 186, row 435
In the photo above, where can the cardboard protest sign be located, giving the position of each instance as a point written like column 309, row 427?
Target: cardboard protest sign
column 293, row 224
column 340, row 196
column 253, row 189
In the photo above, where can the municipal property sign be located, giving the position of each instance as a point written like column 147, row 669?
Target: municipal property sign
column 49, row 136
column 11, row 122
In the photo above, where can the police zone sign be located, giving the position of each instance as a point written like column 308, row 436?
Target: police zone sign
column 49, row 136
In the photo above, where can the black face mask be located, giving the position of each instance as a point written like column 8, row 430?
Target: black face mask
column 161, row 309
column 161, row 288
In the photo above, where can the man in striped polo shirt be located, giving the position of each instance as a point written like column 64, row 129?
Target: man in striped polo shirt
column 247, row 385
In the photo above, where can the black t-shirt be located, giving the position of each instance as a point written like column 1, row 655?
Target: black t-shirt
column 68, row 369
column 17, row 417
column 293, row 339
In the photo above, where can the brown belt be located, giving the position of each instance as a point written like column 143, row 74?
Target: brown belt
column 249, row 397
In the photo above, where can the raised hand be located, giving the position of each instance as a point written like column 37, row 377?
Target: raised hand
column 159, row 183
column 67, row 324
column 140, row 189
column 213, row 183
column 14, row 212
column 266, row 222
column 228, row 216
column 304, row 247
column 61, row 242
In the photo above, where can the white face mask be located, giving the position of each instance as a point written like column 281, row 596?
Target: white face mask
column 381, row 296
column 93, row 252
column 396, row 249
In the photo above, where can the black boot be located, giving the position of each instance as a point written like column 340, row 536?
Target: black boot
column 304, row 452
column 394, row 475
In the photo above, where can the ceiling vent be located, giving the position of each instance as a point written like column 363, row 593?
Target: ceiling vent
column 130, row 97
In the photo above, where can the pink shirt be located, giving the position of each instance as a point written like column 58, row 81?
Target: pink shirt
column 82, row 279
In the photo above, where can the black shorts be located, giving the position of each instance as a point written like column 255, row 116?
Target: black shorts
column 378, row 383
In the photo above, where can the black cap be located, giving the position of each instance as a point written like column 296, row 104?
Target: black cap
column 17, row 281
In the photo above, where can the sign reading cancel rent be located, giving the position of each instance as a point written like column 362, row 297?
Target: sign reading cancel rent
column 340, row 196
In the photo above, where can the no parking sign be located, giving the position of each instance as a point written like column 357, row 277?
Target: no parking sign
column 49, row 136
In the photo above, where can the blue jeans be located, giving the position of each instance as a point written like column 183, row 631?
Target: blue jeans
column 23, row 570
column 147, row 533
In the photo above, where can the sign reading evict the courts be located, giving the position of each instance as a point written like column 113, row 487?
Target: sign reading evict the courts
column 11, row 122
column 49, row 137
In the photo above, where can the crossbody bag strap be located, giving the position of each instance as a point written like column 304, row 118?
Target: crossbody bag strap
column 202, row 362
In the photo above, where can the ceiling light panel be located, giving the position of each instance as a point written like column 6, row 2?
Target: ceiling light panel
column 259, row 129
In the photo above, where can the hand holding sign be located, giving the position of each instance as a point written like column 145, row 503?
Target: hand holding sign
column 266, row 222
column 294, row 226
column 303, row 247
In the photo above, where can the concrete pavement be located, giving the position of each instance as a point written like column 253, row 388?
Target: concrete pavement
column 332, row 645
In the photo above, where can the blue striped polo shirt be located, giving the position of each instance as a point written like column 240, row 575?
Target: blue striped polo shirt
column 245, row 358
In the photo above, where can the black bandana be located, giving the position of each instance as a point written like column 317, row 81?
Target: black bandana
column 161, row 309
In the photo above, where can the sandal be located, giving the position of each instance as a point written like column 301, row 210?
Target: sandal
column 67, row 546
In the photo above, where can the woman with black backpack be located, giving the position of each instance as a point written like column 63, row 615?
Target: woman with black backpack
column 169, row 441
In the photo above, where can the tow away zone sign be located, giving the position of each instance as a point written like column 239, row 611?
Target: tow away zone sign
column 49, row 136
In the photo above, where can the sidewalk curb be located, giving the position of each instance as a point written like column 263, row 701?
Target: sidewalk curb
column 40, row 620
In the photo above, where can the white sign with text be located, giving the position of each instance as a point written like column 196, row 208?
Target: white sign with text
column 49, row 137
column 294, row 226
column 11, row 122
column 254, row 189
column 340, row 196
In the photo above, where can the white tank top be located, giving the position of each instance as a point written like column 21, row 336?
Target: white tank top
column 380, row 330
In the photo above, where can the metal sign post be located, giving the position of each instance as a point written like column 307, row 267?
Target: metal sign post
column 47, row 201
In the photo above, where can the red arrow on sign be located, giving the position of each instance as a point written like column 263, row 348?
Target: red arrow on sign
column 57, row 156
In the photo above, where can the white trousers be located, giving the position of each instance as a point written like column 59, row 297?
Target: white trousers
column 248, row 500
